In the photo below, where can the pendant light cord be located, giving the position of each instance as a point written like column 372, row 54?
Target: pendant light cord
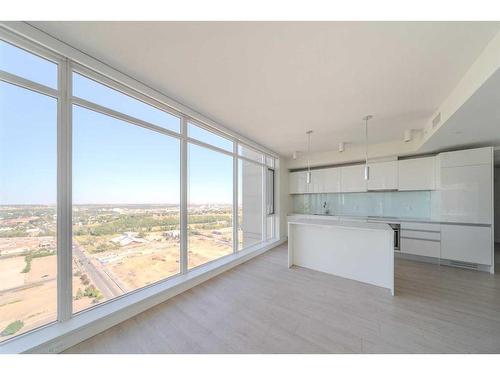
column 366, row 140
column 309, row 150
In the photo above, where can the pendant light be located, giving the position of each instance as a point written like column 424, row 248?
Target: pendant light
column 308, row 175
column 367, row 168
column 341, row 146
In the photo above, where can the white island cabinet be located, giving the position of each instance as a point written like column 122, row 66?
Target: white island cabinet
column 354, row 250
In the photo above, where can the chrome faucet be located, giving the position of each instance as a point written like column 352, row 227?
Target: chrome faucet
column 327, row 210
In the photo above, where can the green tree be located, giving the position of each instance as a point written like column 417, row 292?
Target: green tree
column 79, row 294
column 12, row 328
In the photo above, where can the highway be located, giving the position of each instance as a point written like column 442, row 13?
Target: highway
column 97, row 275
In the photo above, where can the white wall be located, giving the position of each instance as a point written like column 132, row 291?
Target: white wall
column 497, row 204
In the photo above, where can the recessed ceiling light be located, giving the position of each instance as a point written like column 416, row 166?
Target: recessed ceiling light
column 408, row 135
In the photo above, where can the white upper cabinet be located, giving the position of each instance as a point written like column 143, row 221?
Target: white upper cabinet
column 332, row 180
column 417, row 174
column 352, row 178
column 383, row 176
column 325, row 180
column 297, row 183
column 322, row 181
column 462, row 158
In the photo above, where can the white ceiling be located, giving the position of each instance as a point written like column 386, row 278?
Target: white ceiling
column 476, row 123
column 272, row 81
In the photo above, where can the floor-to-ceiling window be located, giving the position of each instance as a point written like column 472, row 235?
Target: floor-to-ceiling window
column 210, row 197
column 28, row 192
column 104, row 190
column 125, row 207
column 250, row 198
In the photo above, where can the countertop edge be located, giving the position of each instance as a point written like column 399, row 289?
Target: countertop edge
column 392, row 220
column 342, row 224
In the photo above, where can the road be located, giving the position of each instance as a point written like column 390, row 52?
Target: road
column 101, row 279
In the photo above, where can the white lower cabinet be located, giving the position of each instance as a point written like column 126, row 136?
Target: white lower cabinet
column 466, row 244
column 422, row 239
column 422, row 247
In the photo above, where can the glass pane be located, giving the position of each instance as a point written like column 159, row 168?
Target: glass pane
column 270, row 228
column 24, row 64
column 210, row 205
column 250, row 196
column 98, row 93
column 28, row 195
column 208, row 137
column 125, row 207
column 270, row 162
column 250, row 153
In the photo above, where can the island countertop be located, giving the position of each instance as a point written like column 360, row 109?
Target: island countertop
column 355, row 250
column 339, row 223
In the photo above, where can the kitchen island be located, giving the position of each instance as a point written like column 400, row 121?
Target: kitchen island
column 351, row 249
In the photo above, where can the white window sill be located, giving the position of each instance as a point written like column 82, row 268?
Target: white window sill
column 58, row 336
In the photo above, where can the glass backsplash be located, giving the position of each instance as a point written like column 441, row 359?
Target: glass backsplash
column 404, row 204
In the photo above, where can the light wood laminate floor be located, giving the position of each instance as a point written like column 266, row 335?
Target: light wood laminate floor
column 263, row 307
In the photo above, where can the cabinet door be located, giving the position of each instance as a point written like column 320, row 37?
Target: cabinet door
column 466, row 244
column 422, row 247
column 352, row 178
column 466, row 157
column 383, row 176
column 416, row 174
column 317, row 181
column 293, row 182
column 466, row 194
column 325, row 180
column 297, row 183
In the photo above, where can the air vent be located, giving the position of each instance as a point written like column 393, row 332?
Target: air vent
column 469, row 266
column 436, row 120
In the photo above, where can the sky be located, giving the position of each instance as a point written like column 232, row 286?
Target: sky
column 113, row 161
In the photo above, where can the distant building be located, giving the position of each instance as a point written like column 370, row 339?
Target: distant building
column 17, row 251
column 172, row 234
column 128, row 238
column 33, row 231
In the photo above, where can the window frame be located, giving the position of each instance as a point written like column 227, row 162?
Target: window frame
column 70, row 60
column 179, row 139
column 214, row 132
column 189, row 141
column 122, row 89
column 272, row 195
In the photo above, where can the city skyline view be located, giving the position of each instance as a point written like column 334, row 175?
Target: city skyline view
column 125, row 183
